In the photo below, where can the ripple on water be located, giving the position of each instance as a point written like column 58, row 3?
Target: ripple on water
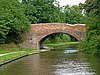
column 73, row 68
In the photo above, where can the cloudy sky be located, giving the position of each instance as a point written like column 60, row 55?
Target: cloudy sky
column 70, row 2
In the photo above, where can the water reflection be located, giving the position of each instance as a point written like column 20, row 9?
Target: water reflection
column 53, row 63
column 73, row 68
column 71, row 50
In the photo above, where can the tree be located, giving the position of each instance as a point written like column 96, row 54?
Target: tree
column 92, row 42
column 12, row 21
column 73, row 14
column 29, row 11
column 43, row 11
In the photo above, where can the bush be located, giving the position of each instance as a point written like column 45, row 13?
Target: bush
column 12, row 21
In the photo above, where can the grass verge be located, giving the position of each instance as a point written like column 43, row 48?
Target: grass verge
column 12, row 51
column 59, row 44
column 17, row 54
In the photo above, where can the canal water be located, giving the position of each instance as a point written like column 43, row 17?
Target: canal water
column 55, row 62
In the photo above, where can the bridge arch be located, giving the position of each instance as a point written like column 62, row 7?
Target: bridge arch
column 41, row 44
column 39, row 32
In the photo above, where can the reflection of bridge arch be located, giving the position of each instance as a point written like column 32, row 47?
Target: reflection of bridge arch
column 39, row 32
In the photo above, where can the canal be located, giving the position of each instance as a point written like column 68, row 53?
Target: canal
column 55, row 62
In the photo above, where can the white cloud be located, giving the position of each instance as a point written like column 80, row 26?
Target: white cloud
column 70, row 2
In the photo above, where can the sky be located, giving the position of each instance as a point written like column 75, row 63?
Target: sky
column 70, row 2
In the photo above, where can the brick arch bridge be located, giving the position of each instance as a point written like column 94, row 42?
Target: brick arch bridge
column 39, row 32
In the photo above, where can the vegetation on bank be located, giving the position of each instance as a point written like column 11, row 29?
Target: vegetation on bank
column 14, row 51
column 16, row 54
column 91, row 44
column 51, row 45
column 13, row 22
column 59, row 38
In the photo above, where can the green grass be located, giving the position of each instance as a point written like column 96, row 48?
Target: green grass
column 19, row 53
column 7, row 51
column 58, row 44
column 10, row 48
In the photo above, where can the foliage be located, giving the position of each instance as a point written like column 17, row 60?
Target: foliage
column 48, row 11
column 92, row 42
column 42, row 11
column 58, row 38
column 12, row 21
column 30, row 11
column 73, row 14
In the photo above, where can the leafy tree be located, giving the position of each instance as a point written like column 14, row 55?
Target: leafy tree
column 73, row 14
column 12, row 21
column 43, row 11
column 92, row 42
column 29, row 10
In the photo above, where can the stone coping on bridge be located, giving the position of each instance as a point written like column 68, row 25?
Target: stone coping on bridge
column 58, row 24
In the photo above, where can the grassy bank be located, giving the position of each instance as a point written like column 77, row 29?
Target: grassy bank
column 11, row 51
column 59, row 44
column 15, row 53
